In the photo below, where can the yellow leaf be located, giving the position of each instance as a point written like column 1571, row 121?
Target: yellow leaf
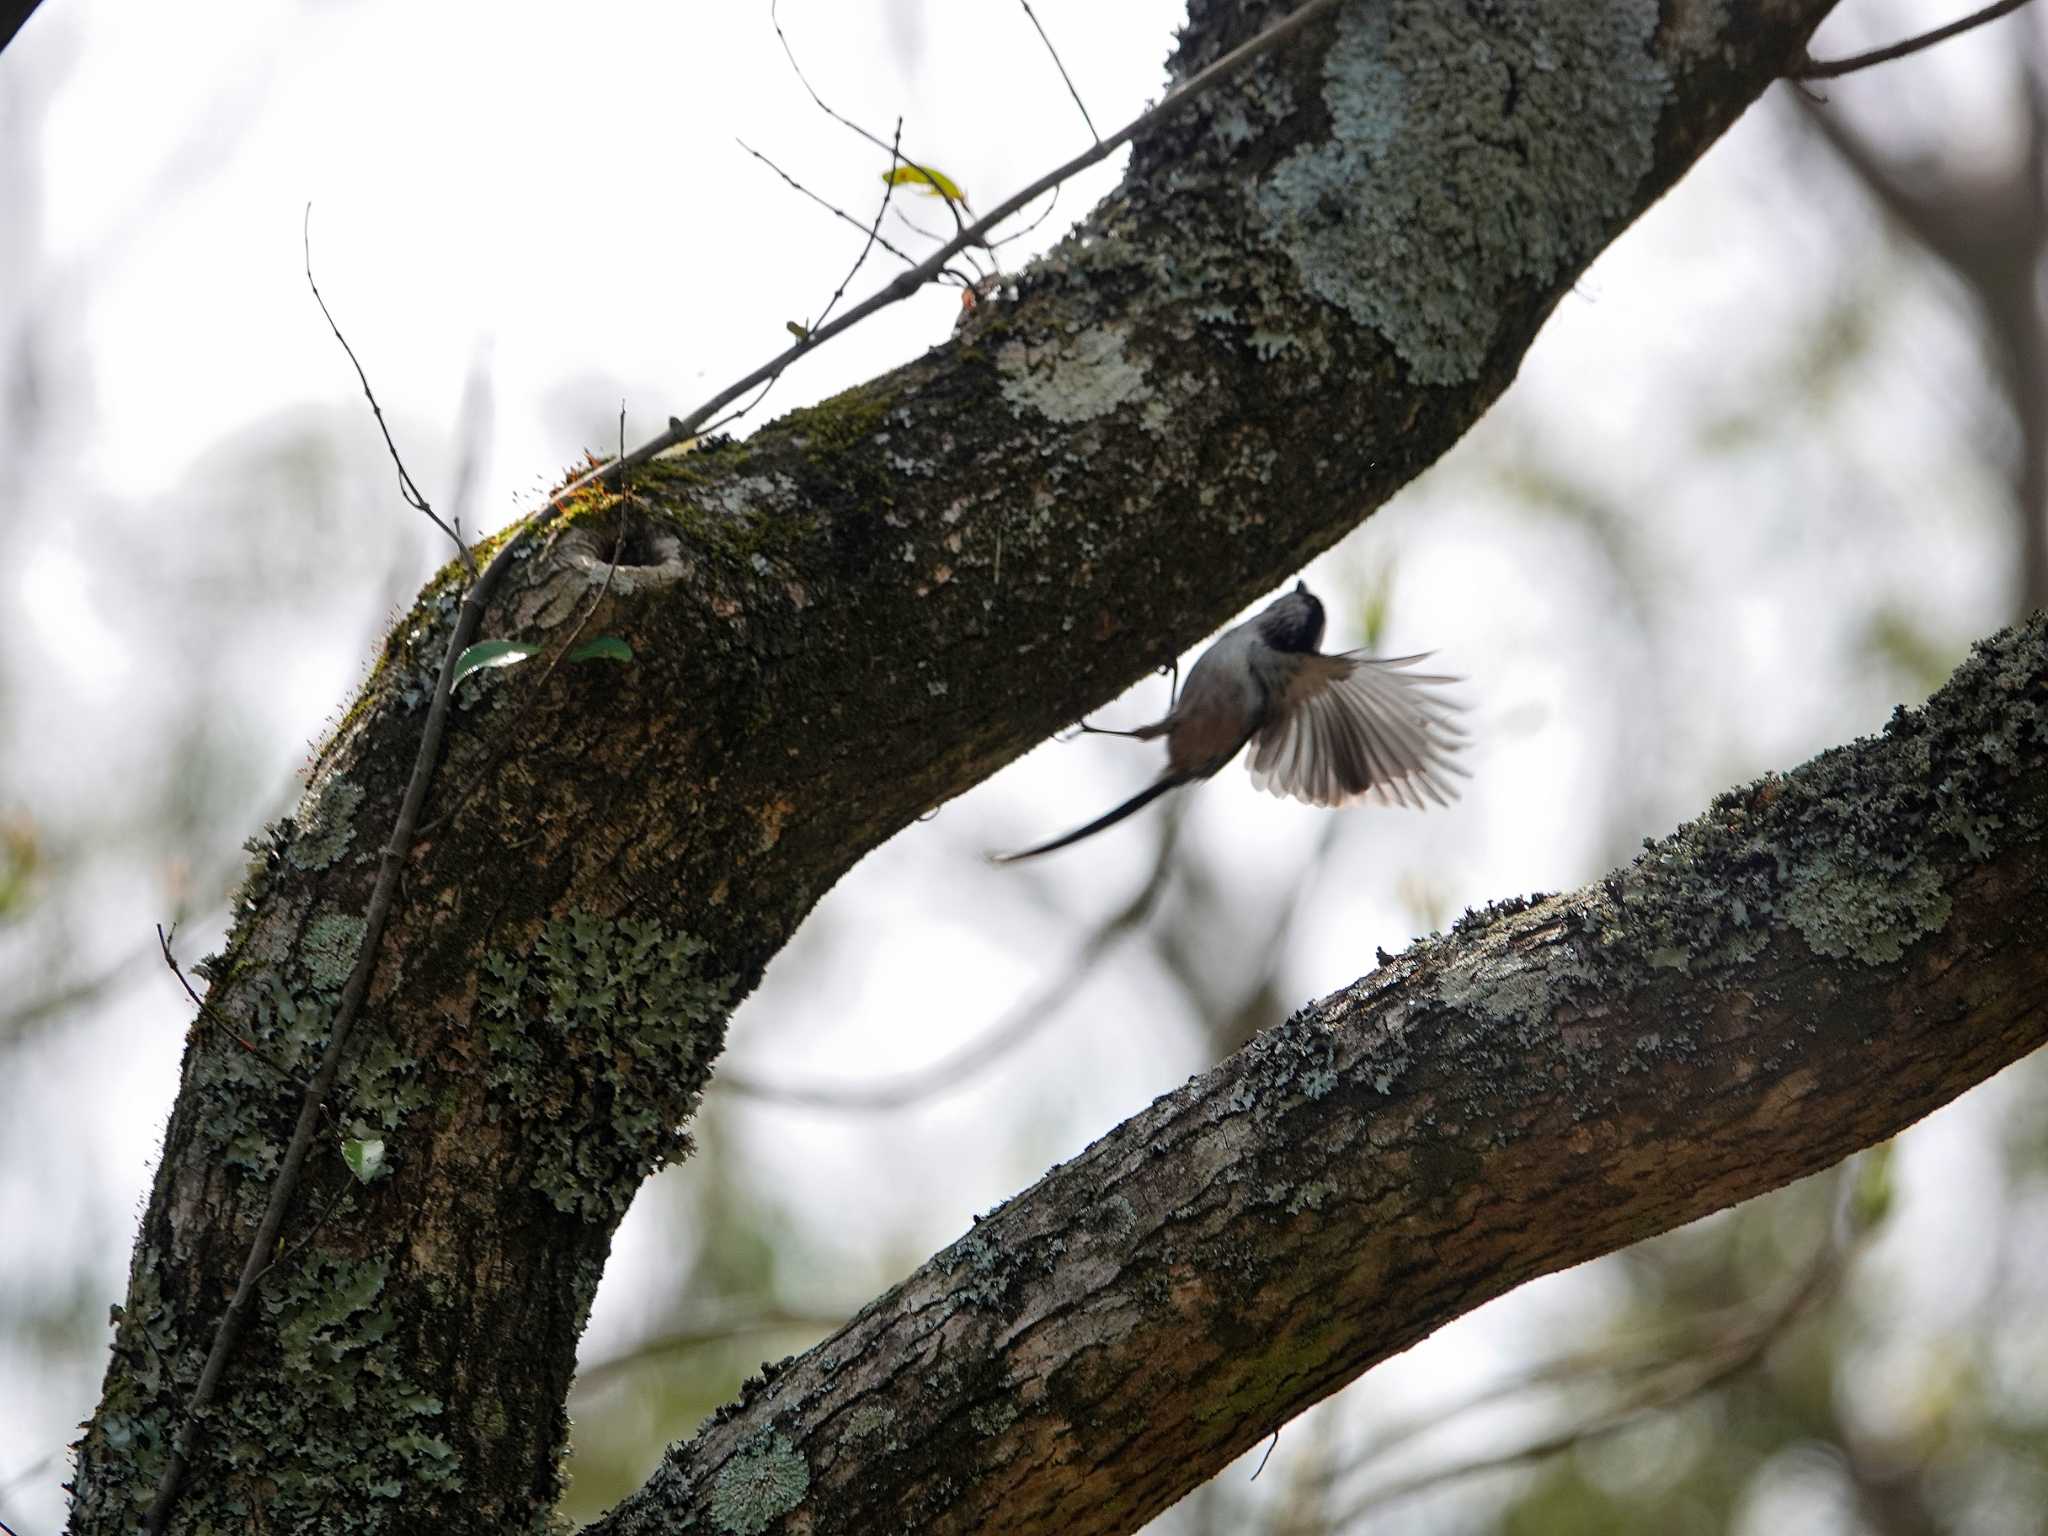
column 934, row 183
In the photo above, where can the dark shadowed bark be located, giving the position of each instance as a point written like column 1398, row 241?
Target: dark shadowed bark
column 1311, row 283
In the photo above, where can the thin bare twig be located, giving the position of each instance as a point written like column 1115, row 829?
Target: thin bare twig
column 1013, row 238
column 916, row 228
column 874, row 235
column 837, row 212
column 1829, row 69
column 1062, row 68
column 1022, row 1021
column 208, row 1011
column 976, row 234
column 775, row 20
column 406, row 488
column 469, row 618
column 874, row 229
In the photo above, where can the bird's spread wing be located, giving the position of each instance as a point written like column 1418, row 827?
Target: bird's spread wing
column 1354, row 727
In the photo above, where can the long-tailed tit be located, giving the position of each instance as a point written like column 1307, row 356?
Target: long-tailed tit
column 1325, row 729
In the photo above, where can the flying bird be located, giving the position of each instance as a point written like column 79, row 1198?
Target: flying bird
column 1326, row 729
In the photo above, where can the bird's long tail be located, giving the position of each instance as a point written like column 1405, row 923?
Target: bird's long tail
column 1139, row 801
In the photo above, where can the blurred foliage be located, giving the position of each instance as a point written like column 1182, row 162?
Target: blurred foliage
column 20, row 859
column 1900, row 642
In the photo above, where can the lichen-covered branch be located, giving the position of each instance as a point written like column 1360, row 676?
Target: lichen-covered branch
column 1316, row 277
column 1805, row 969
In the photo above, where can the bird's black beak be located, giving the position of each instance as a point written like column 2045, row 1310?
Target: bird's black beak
column 1301, row 587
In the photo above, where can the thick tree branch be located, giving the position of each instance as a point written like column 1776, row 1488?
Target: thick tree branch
column 1806, row 969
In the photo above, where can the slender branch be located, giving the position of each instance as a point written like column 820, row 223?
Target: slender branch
column 837, row 212
column 209, row 1012
column 1062, row 68
column 406, row 487
column 874, row 235
column 1016, row 235
column 775, row 21
column 976, row 234
column 469, row 618
column 874, row 229
column 1829, row 69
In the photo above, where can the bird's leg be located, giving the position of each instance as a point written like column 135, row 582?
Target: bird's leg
column 1085, row 729
column 1158, row 727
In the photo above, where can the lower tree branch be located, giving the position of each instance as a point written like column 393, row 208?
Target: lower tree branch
column 1807, row 968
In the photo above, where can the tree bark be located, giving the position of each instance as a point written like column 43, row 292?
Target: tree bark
column 1806, row 969
column 1312, row 281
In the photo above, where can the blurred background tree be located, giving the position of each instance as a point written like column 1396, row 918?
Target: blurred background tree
column 1766, row 477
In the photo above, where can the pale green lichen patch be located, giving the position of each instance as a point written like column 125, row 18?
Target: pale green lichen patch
column 1870, row 914
column 1855, row 851
column 991, row 1419
column 266, row 850
column 761, row 1484
column 1475, row 153
column 329, row 948
column 989, row 1269
column 1296, row 1059
column 868, row 1420
column 1085, row 376
column 349, row 1424
column 325, row 824
column 600, row 1039
column 244, row 1098
column 383, row 1083
column 342, row 1432
column 132, row 1432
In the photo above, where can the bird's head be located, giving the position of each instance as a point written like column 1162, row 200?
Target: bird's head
column 1293, row 622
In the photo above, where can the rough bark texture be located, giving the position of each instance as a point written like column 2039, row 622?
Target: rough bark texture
column 1312, row 282
column 1807, row 968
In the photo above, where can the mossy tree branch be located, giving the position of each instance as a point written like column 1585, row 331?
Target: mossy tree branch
column 1313, row 280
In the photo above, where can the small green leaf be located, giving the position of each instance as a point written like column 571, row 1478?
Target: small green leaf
column 490, row 653
column 798, row 331
column 364, row 1156
column 603, row 648
column 934, row 183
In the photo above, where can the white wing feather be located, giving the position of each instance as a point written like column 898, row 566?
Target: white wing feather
column 1356, row 727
